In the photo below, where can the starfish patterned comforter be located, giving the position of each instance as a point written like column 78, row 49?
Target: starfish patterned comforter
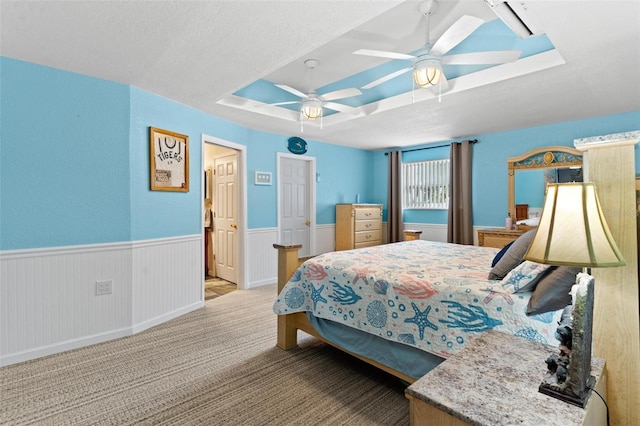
column 429, row 295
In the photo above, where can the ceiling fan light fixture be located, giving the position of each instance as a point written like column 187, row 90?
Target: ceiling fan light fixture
column 311, row 109
column 427, row 73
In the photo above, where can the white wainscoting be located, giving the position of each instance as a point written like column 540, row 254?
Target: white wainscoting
column 262, row 258
column 168, row 278
column 437, row 232
column 48, row 302
column 325, row 238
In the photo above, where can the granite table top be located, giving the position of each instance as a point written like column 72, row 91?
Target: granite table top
column 494, row 381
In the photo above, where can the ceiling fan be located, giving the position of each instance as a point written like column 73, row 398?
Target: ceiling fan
column 427, row 62
column 312, row 103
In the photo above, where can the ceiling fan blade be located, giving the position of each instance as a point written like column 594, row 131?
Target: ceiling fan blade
column 292, row 90
column 480, row 58
column 386, row 78
column 383, row 54
column 341, row 94
column 455, row 34
column 279, row 103
column 340, row 107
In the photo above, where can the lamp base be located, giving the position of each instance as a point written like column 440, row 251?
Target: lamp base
column 579, row 401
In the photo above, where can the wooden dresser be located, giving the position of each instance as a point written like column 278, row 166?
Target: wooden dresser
column 497, row 237
column 358, row 225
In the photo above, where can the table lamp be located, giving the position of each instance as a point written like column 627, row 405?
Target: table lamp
column 573, row 232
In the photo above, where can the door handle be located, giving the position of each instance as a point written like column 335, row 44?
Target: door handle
column 307, row 223
column 234, row 226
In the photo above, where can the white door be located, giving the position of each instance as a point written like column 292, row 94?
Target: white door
column 225, row 216
column 295, row 202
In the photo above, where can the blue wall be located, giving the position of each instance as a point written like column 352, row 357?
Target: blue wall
column 74, row 163
column 490, row 162
column 64, row 166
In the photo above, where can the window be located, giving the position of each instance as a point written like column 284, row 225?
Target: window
column 425, row 184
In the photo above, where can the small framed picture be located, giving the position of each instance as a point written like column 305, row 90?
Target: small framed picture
column 169, row 160
column 263, row 178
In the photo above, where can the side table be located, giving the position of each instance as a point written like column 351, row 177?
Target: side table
column 494, row 381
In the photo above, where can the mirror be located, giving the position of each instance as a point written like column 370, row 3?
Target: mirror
column 530, row 172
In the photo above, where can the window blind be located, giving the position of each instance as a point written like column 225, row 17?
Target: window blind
column 426, row 184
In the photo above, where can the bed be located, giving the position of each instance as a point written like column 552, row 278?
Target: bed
column 405, row 307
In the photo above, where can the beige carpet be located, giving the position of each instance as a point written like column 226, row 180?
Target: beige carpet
column 216, row 366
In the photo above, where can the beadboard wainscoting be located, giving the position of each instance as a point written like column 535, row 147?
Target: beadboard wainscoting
column 168, row 279
column 437, row 232
column 48, row 300
column 262, row 258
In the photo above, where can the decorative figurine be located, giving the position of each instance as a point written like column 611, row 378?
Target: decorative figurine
column 558, row 363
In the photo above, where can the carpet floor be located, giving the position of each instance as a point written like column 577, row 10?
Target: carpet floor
column 214, row 366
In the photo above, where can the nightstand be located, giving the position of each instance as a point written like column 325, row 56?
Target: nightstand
column 494, row 381
column 497, row 237
column 411, row 235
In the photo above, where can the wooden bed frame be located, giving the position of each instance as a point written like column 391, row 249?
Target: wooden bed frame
column 288, row 325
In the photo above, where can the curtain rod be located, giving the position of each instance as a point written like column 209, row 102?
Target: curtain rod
column 473, row 141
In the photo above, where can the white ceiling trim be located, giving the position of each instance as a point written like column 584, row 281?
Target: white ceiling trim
column 524, row 66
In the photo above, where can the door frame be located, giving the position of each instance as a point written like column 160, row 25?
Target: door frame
column 311, row 182
column 242, row 203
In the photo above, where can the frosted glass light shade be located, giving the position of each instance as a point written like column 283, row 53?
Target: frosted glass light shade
column 311, row 110
column 427, row 73
column 573, row 231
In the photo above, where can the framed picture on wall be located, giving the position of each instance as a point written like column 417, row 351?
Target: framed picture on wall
column 169, row 160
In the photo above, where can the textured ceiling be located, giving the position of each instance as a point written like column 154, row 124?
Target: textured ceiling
column 200, row 52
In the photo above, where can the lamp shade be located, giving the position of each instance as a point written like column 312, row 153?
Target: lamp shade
column 572, row 230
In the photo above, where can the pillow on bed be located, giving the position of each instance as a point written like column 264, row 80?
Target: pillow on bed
column 513, row 256
column 500, row 254
column 524, row 277
column 553, row 290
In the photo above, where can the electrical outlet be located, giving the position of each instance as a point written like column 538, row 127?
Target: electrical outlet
column 103, row 287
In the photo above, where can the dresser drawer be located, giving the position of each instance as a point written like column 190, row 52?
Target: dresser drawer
column 367, row 213
column 367, row 225
column 497, row 241
column 366, row 236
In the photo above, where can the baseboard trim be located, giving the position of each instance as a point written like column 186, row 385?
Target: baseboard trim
column 96, row 338
column 63, row 346
column 145, row 325
column 262, row 282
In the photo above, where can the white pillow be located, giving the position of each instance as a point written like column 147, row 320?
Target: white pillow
column 523, row 277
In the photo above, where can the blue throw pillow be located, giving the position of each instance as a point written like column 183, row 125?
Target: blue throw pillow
column 500, row 254
column 513, row 256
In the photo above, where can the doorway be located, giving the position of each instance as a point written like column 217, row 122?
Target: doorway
column 296, row 202
column 224, row 216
